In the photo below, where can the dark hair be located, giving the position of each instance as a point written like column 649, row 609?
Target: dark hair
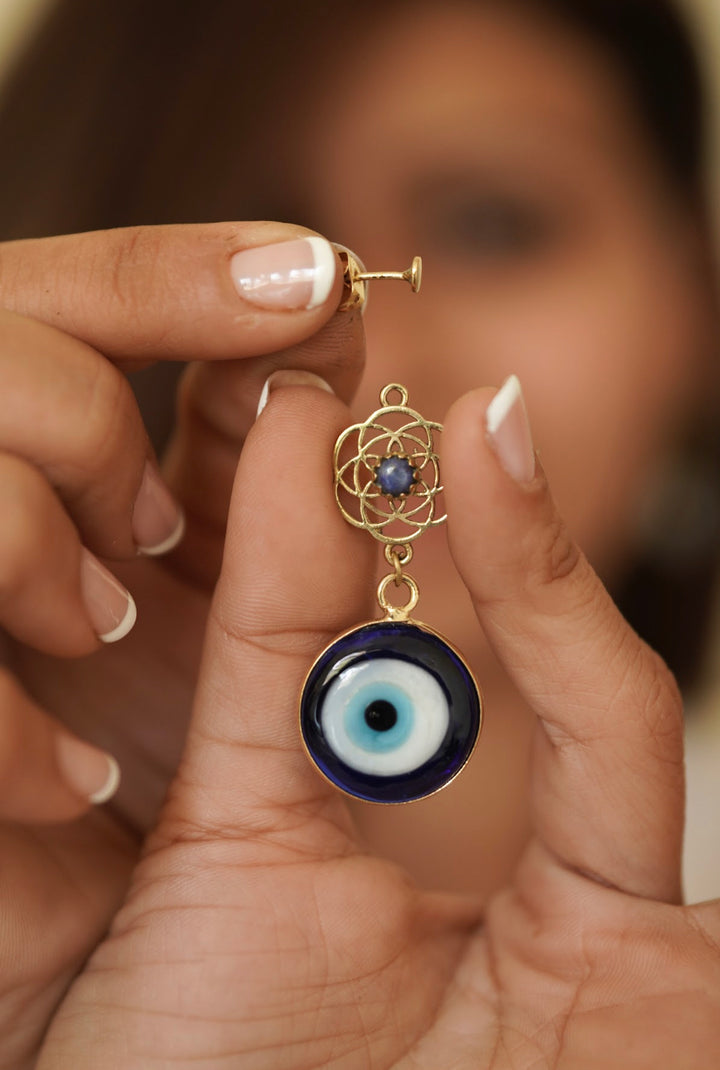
column 121, row 112
column 114, row 100
column 654, row 53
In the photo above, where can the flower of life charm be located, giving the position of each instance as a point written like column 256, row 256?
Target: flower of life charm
column 390, row 711
column 387, row 474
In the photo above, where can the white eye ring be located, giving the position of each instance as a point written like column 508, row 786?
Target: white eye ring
column 423, row 716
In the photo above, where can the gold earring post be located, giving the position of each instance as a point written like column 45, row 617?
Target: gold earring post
column 413, row 274
column 356, row 280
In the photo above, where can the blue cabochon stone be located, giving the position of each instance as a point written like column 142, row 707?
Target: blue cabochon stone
column 419, row 646
column 395, row 476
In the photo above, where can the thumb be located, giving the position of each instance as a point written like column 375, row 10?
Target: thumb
column 607, row 778
column 294, row 575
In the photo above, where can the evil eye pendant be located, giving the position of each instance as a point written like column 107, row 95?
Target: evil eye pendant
column 390, row 712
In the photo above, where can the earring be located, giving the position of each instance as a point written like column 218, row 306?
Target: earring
column 390, row 712
column 355, row 279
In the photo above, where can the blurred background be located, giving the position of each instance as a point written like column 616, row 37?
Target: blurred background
column 19, row 18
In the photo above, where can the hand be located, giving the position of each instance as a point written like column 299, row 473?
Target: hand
column 73, row 453
column 257, row 933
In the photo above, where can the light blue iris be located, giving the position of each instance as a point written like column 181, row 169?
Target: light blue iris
column 369, row 739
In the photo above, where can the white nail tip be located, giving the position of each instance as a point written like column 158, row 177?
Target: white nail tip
column 509, row 432
column 502, row 404
column 126, row 624
column 111, row 785
column 264, row 395
column 325, row 266
column 168, row 544
column 287, row 377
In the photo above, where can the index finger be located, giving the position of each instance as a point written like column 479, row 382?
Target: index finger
column 200, row 291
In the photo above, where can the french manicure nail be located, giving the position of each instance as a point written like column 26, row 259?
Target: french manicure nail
column 89, row 771
column 287, row 275
column 290, row 377
column 508, row 430
column 111, row 607
column 158, row 522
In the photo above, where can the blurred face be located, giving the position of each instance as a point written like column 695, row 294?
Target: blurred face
column 506, row 153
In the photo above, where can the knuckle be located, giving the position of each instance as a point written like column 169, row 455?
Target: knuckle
column 289, row 645
column 645, row 704
column 24, row 494
column 11, row 727
column 109, row 439
column 555, row 555
column 133, row 258
column 643, row 678
column 563, row 556
column 8, row 271
column 662, row 705
column 110, row 415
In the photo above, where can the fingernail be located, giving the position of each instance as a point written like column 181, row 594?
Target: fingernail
column 158, row 522
column 89, row 771
column 287, row 275
column 289, row 377
column 111, row 607
column 509, row 432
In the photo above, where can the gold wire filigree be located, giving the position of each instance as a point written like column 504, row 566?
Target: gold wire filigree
column 361, row 500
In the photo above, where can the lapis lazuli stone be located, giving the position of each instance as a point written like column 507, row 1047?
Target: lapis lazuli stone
column 395, row 476
column 390, row 712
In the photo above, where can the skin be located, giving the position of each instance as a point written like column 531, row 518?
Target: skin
column 255, row 929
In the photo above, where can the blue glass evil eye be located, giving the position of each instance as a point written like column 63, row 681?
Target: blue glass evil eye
column 390, row 712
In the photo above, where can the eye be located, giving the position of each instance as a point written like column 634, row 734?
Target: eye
column 492, row 227
column 475, row 216
column 390, row 712
column 385, row 716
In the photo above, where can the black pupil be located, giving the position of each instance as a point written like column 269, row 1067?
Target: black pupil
column 381, row 715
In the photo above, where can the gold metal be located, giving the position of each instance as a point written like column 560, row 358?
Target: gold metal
column 391, row 431
column 398, row 556
column 413, row 274
column 356, row 279
column 398, row 612
column 394, row 388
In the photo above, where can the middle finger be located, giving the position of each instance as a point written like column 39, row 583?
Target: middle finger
column 218, row 406
column 72, row 414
